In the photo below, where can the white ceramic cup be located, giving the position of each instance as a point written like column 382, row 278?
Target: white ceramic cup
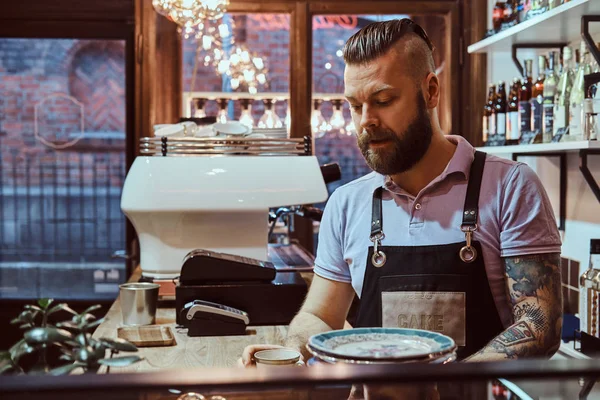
column 282, row 357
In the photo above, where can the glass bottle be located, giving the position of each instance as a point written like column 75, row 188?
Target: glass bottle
column 525, row 99
column 537, row 97
column 500, row 109
column 487, row 114
column 513, row 128
column 498, row 15
column 577, row 96
column 549, row 94
column 563, row 92
column 589, row 284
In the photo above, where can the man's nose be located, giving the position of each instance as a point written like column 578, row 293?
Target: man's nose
column 369, row 118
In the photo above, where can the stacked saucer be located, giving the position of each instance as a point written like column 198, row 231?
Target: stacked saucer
column 382, row 345
column 273, row 133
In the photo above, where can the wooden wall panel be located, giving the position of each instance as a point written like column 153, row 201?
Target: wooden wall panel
column 68, row 10
column 474, row 72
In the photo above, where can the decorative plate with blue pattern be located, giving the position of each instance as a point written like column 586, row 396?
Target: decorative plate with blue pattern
column 381, row 344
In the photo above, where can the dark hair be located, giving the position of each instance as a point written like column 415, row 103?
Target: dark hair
column 377, row 38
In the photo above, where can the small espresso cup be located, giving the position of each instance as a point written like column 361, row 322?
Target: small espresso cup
column 277, row 358
column 138, row 303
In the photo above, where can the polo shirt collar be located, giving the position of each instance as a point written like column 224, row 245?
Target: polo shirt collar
column 460, row 163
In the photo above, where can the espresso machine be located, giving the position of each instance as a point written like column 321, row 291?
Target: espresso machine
column 213, row 196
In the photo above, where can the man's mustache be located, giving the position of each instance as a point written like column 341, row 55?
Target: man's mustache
column 372, row 135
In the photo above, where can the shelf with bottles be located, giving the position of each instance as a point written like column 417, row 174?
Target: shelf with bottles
column 561, row 24
column 196, row 104
column 561, row 105
column 543, row 147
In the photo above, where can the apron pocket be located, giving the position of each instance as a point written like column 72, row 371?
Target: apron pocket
column 432, row 302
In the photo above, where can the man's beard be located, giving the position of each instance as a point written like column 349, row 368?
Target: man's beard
column 404, row 151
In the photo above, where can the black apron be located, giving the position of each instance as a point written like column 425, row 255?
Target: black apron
column 441, row 288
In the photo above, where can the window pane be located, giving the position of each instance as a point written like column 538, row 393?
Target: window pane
column 213, row 69
column 335, row 136
column 62, row 166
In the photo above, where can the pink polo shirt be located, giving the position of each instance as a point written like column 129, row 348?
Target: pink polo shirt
column 515, row 218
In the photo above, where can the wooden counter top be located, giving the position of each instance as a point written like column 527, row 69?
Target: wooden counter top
column 214, row 351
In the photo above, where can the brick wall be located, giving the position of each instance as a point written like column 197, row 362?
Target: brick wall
column 66, row 84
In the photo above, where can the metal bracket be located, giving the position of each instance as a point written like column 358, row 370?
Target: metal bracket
column 562, row 206
column 518, row 46
column 587, row 175
column 585, row 34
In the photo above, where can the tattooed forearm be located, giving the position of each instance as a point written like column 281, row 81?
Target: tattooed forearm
column 534, row 287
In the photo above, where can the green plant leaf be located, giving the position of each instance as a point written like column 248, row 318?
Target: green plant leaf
column 16, row 321
column 67, row 325
column 47, row 335
column 6, row 363
column 35, row 309
column 19, row 349
column 92, row 308
column 65, row 369
column 6, row 366
column 93, row 324
column 45, row 303
column 82, row 319
column 26, row 326
column 66, row 357
column 119, row 344
column 61, row 307
column 120, row 361
column 85, row 355
column 81, row 339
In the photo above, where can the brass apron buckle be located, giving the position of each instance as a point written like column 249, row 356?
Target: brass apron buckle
column 468, row 253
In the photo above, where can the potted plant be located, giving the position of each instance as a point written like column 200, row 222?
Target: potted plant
column 72, row 338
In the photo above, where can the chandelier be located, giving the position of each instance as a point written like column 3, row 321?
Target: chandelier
column 246, row 70
column 190, row 13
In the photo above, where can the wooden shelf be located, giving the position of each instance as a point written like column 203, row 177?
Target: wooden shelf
column 560, row 25
column 543, row 147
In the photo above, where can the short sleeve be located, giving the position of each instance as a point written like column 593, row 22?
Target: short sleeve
column 528, row 225
column 330, row 263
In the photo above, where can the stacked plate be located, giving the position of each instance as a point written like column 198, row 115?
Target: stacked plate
column 382, row 345
column 274, row 133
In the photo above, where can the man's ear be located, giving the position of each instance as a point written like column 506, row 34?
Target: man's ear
column 432, row 90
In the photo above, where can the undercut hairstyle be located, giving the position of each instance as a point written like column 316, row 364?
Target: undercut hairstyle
column 402, row 35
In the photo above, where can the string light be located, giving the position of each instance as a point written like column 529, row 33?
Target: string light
column 246, row 116
column 317, row 122
column 269, row 119
column 337, row 120
column 247, row 70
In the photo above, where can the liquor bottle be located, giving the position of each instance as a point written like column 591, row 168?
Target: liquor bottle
column 513, row 128
column 588, row 292
column 577, row 96
column 537, row 97
column 498, row 15
column 524, row 10
column 488, row 112
column 500, row 110
column 549, row 94
column 563, row 92
column 525, row 98
column 553, row 4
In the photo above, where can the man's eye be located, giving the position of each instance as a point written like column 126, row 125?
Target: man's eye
column 355, row 108
column 383, row 103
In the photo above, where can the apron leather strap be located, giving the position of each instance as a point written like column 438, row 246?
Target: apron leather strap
column 377, row 214
column 471, row 208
